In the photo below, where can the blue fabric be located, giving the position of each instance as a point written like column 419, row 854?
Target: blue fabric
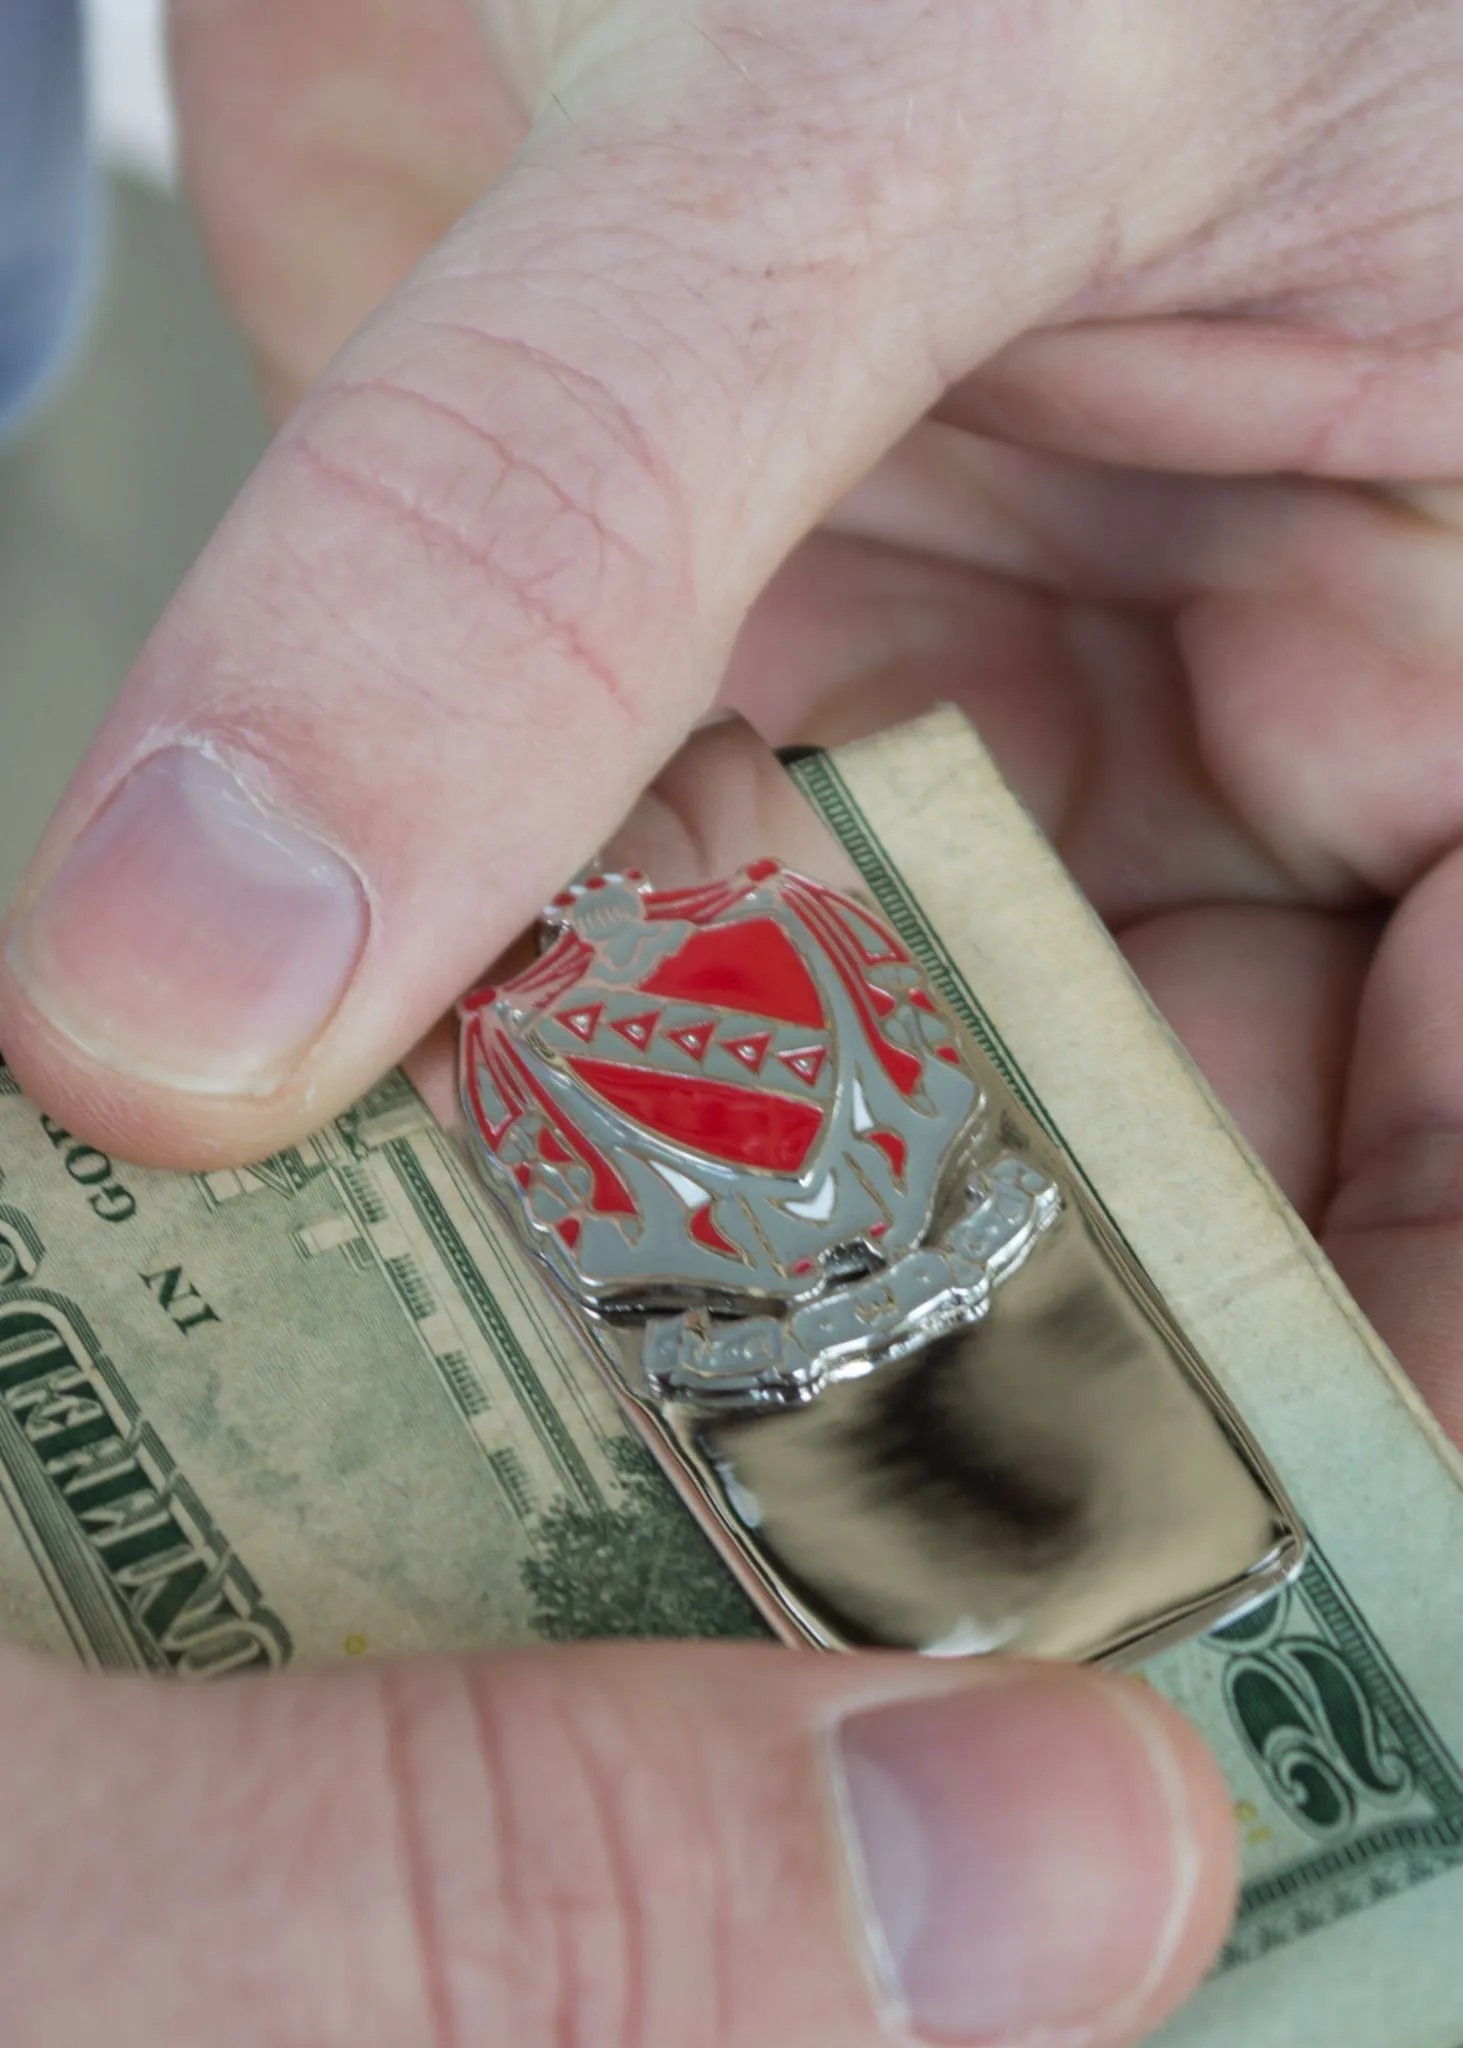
column 46, row 196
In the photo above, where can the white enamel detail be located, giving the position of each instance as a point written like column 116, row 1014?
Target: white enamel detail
column 691, row 1192
column 819, row 1206
column 973, row 1638
column 862, row 1121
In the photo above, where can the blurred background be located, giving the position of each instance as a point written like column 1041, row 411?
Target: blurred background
column 116, row 483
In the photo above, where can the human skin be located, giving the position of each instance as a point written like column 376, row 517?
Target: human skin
column 1090, row 362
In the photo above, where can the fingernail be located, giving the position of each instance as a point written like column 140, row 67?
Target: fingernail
column 1022, row 1855
column 193, row 936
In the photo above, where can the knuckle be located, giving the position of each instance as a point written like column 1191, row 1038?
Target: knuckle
column 577, row 1906
column 522, row 493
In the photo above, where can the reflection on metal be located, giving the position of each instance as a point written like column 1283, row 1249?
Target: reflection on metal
column 878, row 1330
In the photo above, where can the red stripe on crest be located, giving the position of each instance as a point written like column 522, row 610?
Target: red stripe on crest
column 696, row 906
column 552, row 975
column 702, row 1227
column 885, row 950
column 893, row 1148
column 477, row 1049
column 742, row 1126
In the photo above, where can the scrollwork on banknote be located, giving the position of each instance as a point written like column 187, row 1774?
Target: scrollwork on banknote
column 1341, row 1750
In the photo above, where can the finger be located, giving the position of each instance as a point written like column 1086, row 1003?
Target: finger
column 853, row 635
column 1318, row 627
column 489, row 574
column 1395, row 1229
column 326, row 146
column 1085, row 707
column 648, row 1846
column 1226, row 396
column 1265, row 1003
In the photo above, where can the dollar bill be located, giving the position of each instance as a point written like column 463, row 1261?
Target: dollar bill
column 319, row 1408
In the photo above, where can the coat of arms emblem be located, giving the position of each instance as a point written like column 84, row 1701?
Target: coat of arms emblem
column 735, row 1120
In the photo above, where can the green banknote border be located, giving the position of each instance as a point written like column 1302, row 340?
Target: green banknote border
column 487, row 1311
column 1377, row 1860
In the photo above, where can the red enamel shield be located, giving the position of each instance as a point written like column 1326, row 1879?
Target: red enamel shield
column 687, row 1082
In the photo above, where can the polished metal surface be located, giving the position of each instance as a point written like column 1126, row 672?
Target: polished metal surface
column 1061, row 1479
column 880, row 1333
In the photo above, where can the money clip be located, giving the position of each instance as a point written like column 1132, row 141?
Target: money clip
column 878, row 1330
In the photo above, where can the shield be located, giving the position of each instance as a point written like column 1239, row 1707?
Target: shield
column 730, row 1095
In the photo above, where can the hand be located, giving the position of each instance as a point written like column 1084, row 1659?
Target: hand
column 499, row 562
column 624, row 1848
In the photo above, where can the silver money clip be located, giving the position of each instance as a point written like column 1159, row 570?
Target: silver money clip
column 876, row 1326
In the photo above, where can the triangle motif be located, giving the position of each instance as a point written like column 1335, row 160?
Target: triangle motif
column 751, row 1050
column 637, row 1030
column 806, row 1061
column 694, row 1038
column 582, row 1022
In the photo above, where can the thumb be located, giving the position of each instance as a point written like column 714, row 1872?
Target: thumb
column 650, row 1848
column 489, row 574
